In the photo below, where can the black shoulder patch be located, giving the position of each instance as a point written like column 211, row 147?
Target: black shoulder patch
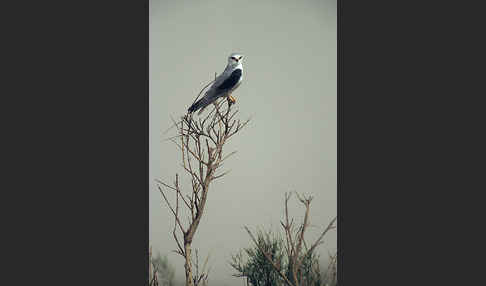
column 231, row 81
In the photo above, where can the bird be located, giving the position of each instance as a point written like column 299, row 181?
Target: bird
column 223, row 85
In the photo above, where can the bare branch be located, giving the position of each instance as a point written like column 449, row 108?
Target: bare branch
column 319, row 240
column 173, row 212
column 221, row 175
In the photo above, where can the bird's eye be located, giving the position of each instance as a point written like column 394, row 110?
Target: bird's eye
column 234, row 58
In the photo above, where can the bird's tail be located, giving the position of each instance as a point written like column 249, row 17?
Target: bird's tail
column 201, row 103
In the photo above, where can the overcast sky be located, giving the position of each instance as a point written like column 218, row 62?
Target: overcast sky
column 289, row 90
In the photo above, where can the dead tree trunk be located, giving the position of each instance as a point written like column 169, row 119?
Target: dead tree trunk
column 188, row 264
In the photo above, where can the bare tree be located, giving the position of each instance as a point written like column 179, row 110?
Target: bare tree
column 200, row 142
column 296, row 246
column 153, row 281
column 331, row 273
column 161, row 272
column 201, row 277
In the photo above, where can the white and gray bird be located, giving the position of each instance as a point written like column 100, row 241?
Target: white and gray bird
column 224, row 84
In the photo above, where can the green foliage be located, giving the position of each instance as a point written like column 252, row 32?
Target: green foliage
column 257, row 269
column 309, row 272
column 164, row 270
column 251, row 263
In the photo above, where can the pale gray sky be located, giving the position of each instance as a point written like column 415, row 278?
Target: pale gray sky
column 289, row 90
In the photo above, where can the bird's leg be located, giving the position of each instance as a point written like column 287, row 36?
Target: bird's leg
column 231, row 99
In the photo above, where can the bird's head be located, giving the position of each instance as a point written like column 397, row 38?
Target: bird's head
column 235, row 59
